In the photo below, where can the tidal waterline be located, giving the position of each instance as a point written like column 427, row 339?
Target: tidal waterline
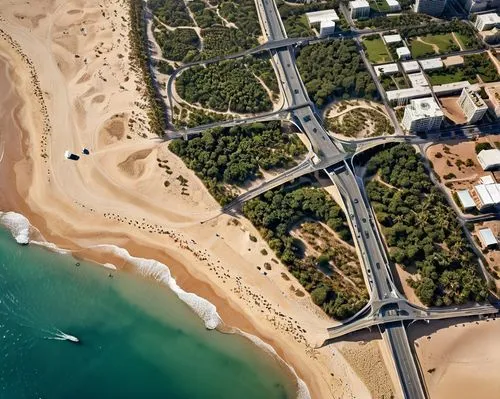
column 138, row 340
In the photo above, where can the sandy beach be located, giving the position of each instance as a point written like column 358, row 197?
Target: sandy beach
column 71, row 85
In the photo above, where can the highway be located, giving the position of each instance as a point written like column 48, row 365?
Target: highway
column 382, row 287
column 388, row 306
column 365, row 231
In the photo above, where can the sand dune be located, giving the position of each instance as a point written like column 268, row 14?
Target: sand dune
column 74, row 88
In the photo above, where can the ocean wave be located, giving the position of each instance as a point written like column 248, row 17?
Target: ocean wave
column 20, row 228
column 160, row 272
column 302, row 390
column 18, row 225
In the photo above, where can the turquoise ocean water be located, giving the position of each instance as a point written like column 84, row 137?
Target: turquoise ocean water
column 138, row 340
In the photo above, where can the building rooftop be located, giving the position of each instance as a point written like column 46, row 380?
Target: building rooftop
column 484, row 195
column 386, row 69
column 410, row 66
column 487, row 179
column 466, row 199
column 489, row 158
column 359, row 4
column 476, row 98
column 404, row 94
column 487, row 237
column 425, row 108
column 418, row 80
column 433, row 63
column 392, row 3
column 451, row 87
column 493, row 94
column 392, row 38
column 403, row 51
column 322, row 16
column 494, row 192
column 491, row 18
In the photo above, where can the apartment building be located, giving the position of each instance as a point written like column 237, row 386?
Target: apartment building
column 472, row 105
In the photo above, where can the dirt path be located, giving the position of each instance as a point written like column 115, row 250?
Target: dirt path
column 435, row 47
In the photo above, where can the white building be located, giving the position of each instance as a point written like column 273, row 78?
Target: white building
column 494, row 97
column 431, row 64
column 422, row 115
column 410, row 66
column 388, row 39
column 489, row 159
column 487, row 179
column 487, row 238
column 466, row 200
column 472, row 105
column 418, row 80
column 455, row 87
column 430, row 7
column 359, row 9
column 487, row 21
column 403, row 53
column 326, row 20
column 393, row 5
column 402, row 96
column 472, row 6
column 484, row 197
column 386, row 69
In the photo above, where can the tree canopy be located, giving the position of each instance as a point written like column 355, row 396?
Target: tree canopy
column 422, row 230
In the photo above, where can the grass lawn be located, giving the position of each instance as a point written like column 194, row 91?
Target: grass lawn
column 474, row 65
column 379, row 6
column 462, row 40
column 457, row 76
column 445, row 42
column 376, row 51
column 419, row 49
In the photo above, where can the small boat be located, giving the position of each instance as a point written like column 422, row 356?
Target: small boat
column 70, row 338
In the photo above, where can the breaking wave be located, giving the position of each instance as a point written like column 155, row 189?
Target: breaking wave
column 302, row 390
column 20, row 228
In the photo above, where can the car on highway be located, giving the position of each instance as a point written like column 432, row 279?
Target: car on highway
column 356, row 200
column 306, row 118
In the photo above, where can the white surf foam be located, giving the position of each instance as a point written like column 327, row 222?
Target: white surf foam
column 18, row 225
column 160, row 272
column 302, row 390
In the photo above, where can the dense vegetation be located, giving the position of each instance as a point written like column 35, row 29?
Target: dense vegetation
column 243, row 14
column 178, row 45
column 261, row 67
column 275, row 213
column 352, row 123
column 422, row 230
column 376, row 50
column 205, row 17
column 334, row 70
column 466, row 32
column 220, row 41
column 188, row 116
column 474, row 65
column 224, row 86
column 139, row 56
column 295, row 21
column 225, row 156
column 392, row 22
column 171, row 12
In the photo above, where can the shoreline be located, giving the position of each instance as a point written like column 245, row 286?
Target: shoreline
column 157, row 272
column 17, row 163
column 117, row 195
